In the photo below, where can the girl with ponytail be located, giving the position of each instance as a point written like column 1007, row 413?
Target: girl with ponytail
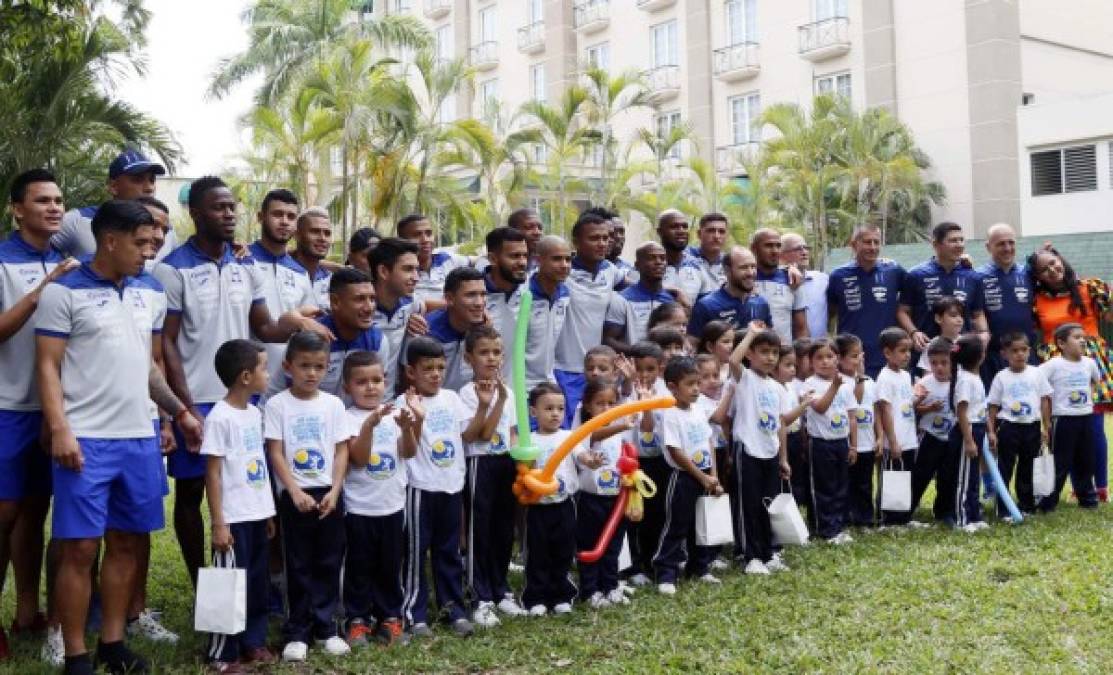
column 959, row 474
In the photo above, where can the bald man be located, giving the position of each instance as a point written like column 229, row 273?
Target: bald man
column 629, row 309
column 1007, row 296
column 737, row 301
column 682, row 274
column 773, row 283
column 795, row 252
column 550, row 305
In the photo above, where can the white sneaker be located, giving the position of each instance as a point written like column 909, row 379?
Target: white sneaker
column 54, row 649
column 618, row 597
column 626, row 588
column 1008, row 520
column 639, row 579
column 842, row 538
column 598, row 601
column 484, row 615
column 510, row 607
column 147, row 626
column 918, row 525
column 718, row 565
column 981, row 525
column 295, row 652
column 562, row 608
column 776, row 565
column 666, row 588
column 335, row 646
column 755, row 566
column 515, row 568
column 538, row 610
column 710, row 578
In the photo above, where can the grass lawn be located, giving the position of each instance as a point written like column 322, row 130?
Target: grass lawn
column 1030, row 598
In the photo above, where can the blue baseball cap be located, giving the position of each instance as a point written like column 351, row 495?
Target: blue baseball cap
column 133, row 162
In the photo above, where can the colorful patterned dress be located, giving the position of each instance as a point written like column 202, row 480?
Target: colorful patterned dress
column 1054, row 310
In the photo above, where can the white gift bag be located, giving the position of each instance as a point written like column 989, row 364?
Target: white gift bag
column 625, row 561
column 221, row 601
column 896, row 489
column 713, row 523
column 785, row 520
column 1043, row 474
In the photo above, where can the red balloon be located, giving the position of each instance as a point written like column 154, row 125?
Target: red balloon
column 609, row 527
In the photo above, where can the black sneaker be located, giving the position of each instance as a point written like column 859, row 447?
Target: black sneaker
column 115, row 657
column 81, row 664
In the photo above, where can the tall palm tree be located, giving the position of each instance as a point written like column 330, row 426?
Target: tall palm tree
column 608, row 97
column 289, row 36
column 665, row 151
column 287, row 145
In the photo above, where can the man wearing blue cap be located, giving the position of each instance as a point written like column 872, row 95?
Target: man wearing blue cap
column 130, row 176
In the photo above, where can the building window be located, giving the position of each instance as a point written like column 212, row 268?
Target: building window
column 401, row 6
column 665, row 51
column 745, row 115
column 540, row 153
column 741, row 21
column 666, row 122
column 838, row 84
column 535, row 10
column 447, row 112
column 443, row 42
column 487, row 27
column 829, row 9
column 599, row 56
column 488, row 92
column 537, row 82
column 1071, row 169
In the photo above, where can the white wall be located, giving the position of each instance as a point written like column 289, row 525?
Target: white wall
column 1059, row 124
column 1053, row 72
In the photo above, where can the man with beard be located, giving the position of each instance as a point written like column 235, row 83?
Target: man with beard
column 682, row 275
column 465, row 298
column 775, row 285
column 618, row 242
column 813, row 289
column 352, row 298
column 629, row 309
column 508, row 254
column 528, row 222
column 736, row 302
column 708, row 256
column 433, row 266
column 394, row 272
column 550, row 306
column 211, row 297
column 313, row 238
column 285, row 284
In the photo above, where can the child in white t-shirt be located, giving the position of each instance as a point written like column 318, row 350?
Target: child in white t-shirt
column 239, row 492
column 649, row 362
column 834, row 431
column 383, row 438
column 1019, row 400
column 1072, row 375
column 896, row 413
column 859, row 503
column 959, row 475
column 950, row 315
column 307, row 433
column 936, row 420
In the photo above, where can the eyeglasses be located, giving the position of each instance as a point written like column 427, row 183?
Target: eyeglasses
column 798, row 248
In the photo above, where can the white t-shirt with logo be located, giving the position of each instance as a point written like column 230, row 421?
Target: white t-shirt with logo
column 236, row 436
column 834, row 424
column 604, row 480
column 567, row 478
column 938, row 423
column 707, row 406
column 309, row 431
column 758, row 405
column 864, row 415
column 1019, row 395
column 970, row 389
column 689, row 432
column 378, row 489
column 1072, row 393
column 895, row 388
column 439, row 465
column 499, row 443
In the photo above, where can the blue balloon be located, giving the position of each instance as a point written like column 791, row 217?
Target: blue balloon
column 999, row 483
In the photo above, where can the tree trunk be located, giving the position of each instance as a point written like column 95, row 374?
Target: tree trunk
column 344, row 190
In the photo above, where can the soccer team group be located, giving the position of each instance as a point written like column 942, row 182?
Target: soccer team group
column 350, row 424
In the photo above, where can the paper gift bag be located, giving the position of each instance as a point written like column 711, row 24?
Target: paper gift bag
column 625, row 561
column 1043, row 474
column 221, row 601
column 896, row 489
column 713, row 523
column 785, row 520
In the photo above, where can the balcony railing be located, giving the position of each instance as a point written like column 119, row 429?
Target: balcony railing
column 590, row 16
column 531, row 38
column 825, row 39
column 662, row 83
column 729, row 158
column 435, row 9
column 485, row 55
column 736, row 62
column 655, row 5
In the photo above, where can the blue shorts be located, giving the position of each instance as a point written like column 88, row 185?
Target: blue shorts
column 572, row 384
column 24, row 464
column 118, row 488
column 182, row 463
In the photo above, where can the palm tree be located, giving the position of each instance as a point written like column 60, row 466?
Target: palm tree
column 607, row 98
column 289, row 36
column 288, row 147
column 665, row 151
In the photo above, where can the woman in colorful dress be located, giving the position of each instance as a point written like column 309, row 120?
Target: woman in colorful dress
column 1061, row 297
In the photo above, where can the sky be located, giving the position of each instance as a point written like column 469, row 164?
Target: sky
column 185, row 41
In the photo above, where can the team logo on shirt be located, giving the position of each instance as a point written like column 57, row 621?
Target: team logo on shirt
column 906, row 411
column 880, row 293
column 309, row 462
column 256, row 474
column 1078, row 398
column 863, row 415
column 839, row 421
column 381, row 466
column 498, row 442
column 766, row 422
column 702, row 459
column 941, row 424
column 443, row 452
column 648, row 440
column 1021, row 294
column 1020, row 408
column 607, row 481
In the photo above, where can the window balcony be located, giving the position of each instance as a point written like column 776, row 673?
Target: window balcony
column 655, row 5
column 729, row 158
column 485, row 55
column 825, row 39
column 435, row 9
column 531, row 38
column 591, row 16
column 662, row 83
column 737, row 62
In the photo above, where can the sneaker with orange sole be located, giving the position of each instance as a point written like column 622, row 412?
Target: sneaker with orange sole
column 390, row 632
column 358, row 632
